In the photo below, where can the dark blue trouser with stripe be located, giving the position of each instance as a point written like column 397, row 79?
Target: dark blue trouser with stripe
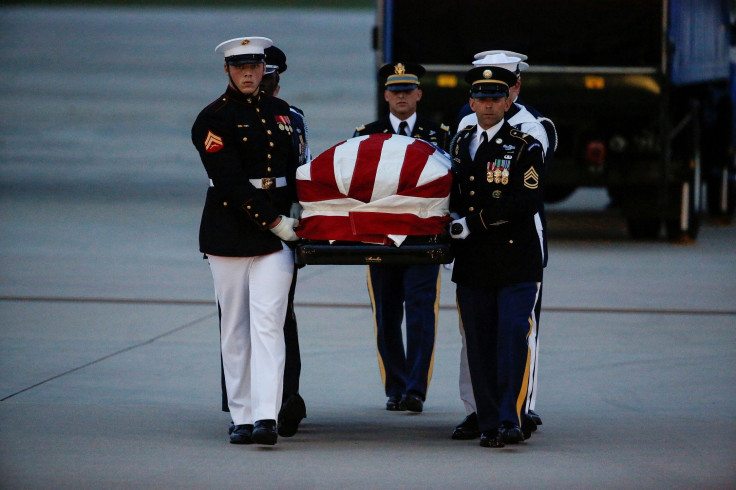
column 393, row 289
column 497, row 323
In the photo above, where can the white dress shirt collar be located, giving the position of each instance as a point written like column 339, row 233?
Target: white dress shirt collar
column 490, row 133
column 410, row 121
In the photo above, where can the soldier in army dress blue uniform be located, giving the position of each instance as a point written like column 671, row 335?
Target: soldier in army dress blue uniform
column 416, row 288
column 498, row 252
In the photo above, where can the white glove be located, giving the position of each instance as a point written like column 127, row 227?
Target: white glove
column 296, row 211
column 459, row 229
column 285, row 229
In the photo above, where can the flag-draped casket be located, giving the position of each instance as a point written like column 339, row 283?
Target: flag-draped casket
column 377, row 189
column 380, row 198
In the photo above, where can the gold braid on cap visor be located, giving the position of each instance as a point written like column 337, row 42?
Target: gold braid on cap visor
column 491, row 80
column 394, row 79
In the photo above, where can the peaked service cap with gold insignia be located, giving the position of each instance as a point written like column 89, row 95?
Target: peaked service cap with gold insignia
column 489, row 81
column 401, row 76
column 503, row 60
column 244, row 50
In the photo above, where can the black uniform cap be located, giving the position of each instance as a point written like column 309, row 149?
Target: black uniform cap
column 490, row 81
column 275, row 60
column 401, row 76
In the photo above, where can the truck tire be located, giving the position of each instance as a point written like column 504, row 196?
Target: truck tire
column 643, row 228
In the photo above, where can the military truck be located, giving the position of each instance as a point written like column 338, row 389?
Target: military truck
column 640, row 92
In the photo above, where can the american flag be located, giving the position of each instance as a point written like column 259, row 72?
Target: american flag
column 378, row 188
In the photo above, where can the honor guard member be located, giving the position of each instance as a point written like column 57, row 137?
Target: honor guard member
column 244, row 139
column 528, row 120
column 293, row 409
column 520, row 115
column 495, row 197
column 406, row 373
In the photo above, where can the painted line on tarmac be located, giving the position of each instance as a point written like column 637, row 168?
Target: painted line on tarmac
column 108, row 356
column 194, row 302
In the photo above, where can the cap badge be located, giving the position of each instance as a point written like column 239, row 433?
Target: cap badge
column 399, row 69
column 245, row 41
column 487, row 73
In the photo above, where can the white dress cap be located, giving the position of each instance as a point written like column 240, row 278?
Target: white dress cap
column 483, row 54
column 244, row 45
column 502, row 60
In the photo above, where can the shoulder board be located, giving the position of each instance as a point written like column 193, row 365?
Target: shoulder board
column 217, row 104
column 522, row 135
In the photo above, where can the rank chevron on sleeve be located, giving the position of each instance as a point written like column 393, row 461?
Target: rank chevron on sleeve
column 531, row 179
column 212, row 142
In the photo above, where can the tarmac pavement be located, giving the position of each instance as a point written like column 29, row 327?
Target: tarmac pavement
column 109, row 361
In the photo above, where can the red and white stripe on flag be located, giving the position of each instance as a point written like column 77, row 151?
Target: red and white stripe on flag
column 378, row 188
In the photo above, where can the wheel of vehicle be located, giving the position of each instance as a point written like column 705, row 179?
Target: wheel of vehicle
column 643, row 228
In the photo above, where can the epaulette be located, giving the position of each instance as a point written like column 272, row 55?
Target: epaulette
column 217, row 104
column 526, row 137
column 455, row 139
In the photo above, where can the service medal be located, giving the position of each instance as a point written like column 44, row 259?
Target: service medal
column 497, row 176
column 505, row 177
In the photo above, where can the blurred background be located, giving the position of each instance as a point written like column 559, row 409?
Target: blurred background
column 109, row 364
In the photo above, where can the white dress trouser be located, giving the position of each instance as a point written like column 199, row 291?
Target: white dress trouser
column 252, row 294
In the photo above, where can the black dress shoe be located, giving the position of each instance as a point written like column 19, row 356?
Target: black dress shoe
column 241, row 434
column 527, row 427
column 491, row 439
column 510, row 433
column 231, row 428
column 413, row 403
column 293, row 410
column 537, row 420
column 264, row 432
column 395, row 404
column 468, row 428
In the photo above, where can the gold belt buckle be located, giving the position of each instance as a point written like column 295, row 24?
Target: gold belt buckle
column 268, row 182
